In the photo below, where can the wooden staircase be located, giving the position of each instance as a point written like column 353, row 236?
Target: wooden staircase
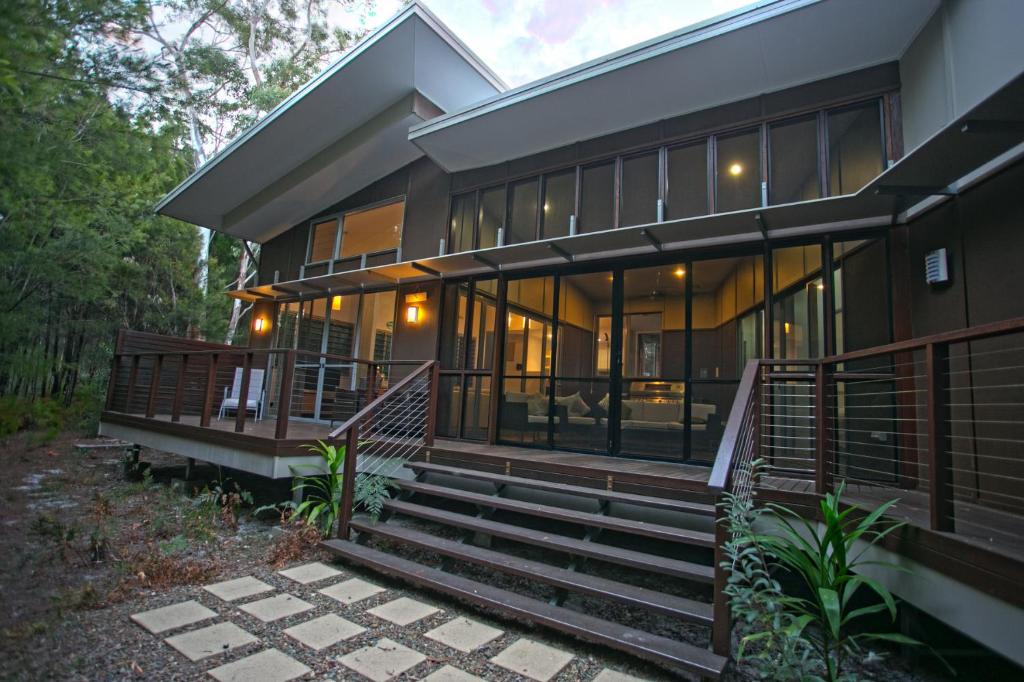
column 452, row 517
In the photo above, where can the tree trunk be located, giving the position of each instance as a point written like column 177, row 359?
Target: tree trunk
column 236, row 305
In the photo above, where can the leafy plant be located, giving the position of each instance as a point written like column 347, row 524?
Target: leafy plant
column 371, row 492
column 321, row 491
column 223, row 498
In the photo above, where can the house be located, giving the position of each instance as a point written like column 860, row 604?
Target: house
column 790, row 232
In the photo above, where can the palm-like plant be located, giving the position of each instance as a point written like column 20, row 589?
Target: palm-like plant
column 825, row 559
column 321, row 491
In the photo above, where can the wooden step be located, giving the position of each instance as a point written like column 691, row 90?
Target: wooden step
column 652, row 530
column 560, row 543
column 658, row 602
column 675, row 655
column 582, row 491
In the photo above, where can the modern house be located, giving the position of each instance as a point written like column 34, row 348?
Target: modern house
column 789, row 233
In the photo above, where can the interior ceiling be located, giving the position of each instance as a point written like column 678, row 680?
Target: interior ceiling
column 762, row 50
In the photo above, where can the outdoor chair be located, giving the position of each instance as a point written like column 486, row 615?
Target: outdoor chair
column 254, row 401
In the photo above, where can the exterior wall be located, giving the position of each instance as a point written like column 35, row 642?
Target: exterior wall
column 967, row 51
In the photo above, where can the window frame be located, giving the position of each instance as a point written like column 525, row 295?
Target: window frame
column 339, row 216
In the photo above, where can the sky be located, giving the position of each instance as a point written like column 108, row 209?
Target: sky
column 523, row 40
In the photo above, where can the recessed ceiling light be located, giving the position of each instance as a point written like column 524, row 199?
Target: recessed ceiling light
column 679, row 271
column 736, row 169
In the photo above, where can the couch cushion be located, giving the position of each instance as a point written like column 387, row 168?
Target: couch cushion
column 537, row 404
column 661, row 412
column 702, row 410
column 574, row 404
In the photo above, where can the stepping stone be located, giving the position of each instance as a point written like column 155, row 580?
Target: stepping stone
column 403, row 611
column 534, row 660
column 383, row 660
column 240, row 588
column 609, row 675
column 324, row 631
column 209, row 641
column 275, row 608
column 351, row 591
column 173, row 616
column 464, row 634
column 451, row 674
column 266, row 666
column 310, row 573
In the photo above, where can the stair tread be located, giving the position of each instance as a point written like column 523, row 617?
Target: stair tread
column 671, row 605
column 654, row 530
column 662, row 650
column 584, row 491
column 649, row 562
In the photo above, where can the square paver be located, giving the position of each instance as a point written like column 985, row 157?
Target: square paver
column 464, row 634
column 275, row 608
column 403, row 611
column 173, row 616
column 383, row 660
column 239, row 588
column 451, row 674
column 534, row 660
column 351, row 591
column 324, row 631
column 609, row 675
column 266, row 666
column 310, row 573
column 208, row 641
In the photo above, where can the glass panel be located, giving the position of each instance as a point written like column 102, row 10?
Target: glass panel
column 339, row 398
column 342, row 325
column 460, row 236
column 323, row 237
column 287, row 325
column 793, row 170
column 376, row 326
column 798, row 309
column 524, row 409
column 311, row 325
column 639, row 196
column 862, row 317
column 727, row 330
column 492, row 215
column 376, row 229
column 559, row 203
column 481, row 349
column 449, row 402
column 453, row 326
column 738, row 172
column 597, row 198
column 522, row 218
column 477, row 407
column 687, row 181
column 855, row 147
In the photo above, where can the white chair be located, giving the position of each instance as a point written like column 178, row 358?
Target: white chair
column 254, row 401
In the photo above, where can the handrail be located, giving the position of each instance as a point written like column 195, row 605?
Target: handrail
column 722, row 469
column 379, row 400
column 956, row 336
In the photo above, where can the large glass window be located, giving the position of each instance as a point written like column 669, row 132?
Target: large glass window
column 492, row 215
column 372, row 230
column 855, row 147
column 522, row 212
column 460, row 233
column 559, row 203
column 687, row 181
column 467, row 349
column 738, row 171
column 793, row 161
column 525, row 406
column 638, row 200
column 322, row 239
column 798, row 308
column 597, row 197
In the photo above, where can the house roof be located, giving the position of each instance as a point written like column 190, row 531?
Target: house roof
column 341, row 131
column 764, row 47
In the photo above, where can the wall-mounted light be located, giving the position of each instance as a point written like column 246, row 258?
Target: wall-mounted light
column 336, row 303
column 412, row 306
column 679, row 271
column 412, row 314
column 260, row 324
column 736, row 169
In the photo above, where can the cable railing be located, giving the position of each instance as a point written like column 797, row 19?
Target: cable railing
column 386, row 433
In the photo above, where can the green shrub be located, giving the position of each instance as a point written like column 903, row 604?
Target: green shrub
column 321, row 491
column 371, row 492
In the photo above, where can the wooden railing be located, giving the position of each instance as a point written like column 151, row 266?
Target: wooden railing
column 937, row 422
column 386, row 433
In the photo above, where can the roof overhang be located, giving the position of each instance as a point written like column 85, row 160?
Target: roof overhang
column 761, row 48
column 964, row 153
column 341, row 131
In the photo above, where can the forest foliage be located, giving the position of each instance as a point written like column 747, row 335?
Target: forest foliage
column 94, row 130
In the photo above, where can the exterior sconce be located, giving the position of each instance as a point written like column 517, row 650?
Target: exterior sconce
column 260, row 324
column 336, row 303
column 412, row 307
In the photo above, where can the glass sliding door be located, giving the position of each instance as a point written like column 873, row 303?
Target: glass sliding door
column 467, row 351
column 524, row 410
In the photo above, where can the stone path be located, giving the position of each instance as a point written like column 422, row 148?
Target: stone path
column 327, row 615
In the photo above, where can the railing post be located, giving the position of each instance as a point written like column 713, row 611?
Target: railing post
column 348, row 481
column 721, row 626
column 154, row 385
column 243, row 393
column 133, row 376
column 435, row 377
column 940, row 496
column 822, row 461
column 284, row 399
column 115, row 367
column 211, row 386
column 371, row 382
column 179, row 389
